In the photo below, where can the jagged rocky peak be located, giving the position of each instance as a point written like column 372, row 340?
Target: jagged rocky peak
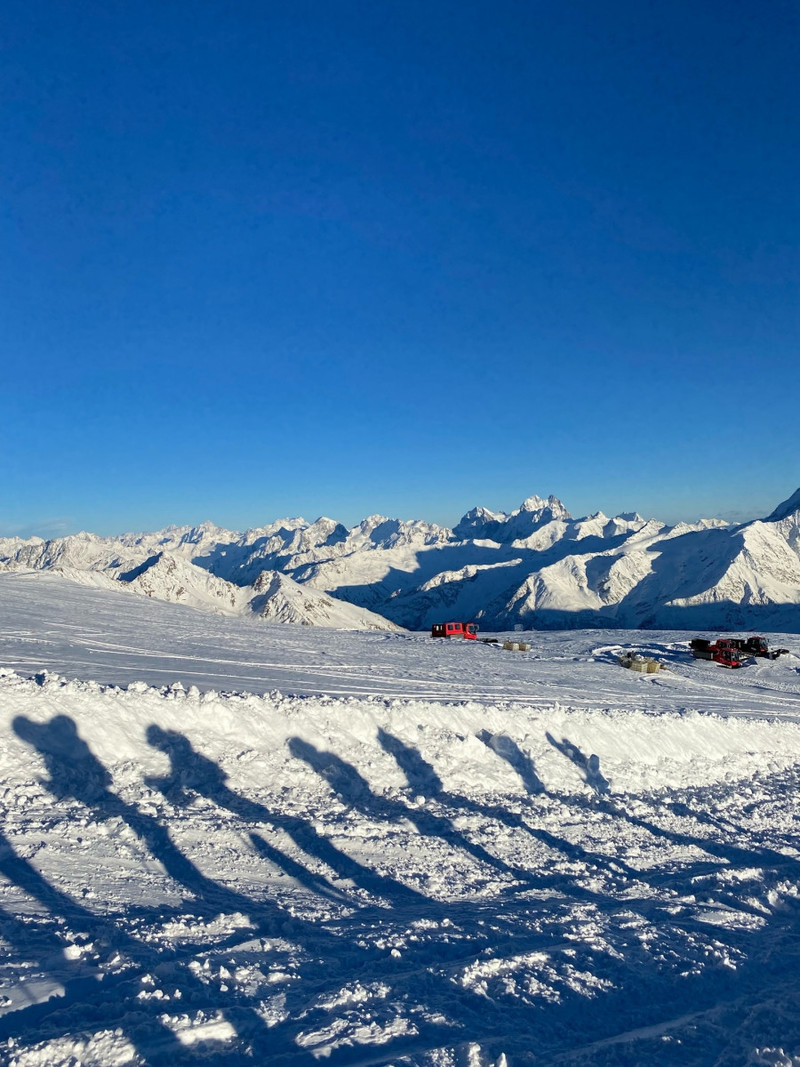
column 787, row 508
column 289, row 522
column 375, row 530
column 378, row 531
column 481, row 514
column 206, row 531
column 478, row 523
column 322, row 532
column 326, row 525
column 268, row 581
column 552, row 508
column 371, row 522
column 282, row 528
column 482, row 524
column 531, row 516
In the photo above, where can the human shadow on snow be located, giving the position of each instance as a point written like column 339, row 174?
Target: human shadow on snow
column 190, row 770
column 349, row 785
column 419, row 774
column 76, row 773
column 717, row 851
column 589, row 766
column 513, row 923
column 509, row 750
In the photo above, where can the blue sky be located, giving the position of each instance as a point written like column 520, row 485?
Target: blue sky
column 262, row 259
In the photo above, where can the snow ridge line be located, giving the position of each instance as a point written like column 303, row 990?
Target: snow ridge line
column 391, row 745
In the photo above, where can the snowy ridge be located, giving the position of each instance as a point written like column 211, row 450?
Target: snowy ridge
column 787, row 508
column 687, row 750
column 536, row 566
column 279, row 599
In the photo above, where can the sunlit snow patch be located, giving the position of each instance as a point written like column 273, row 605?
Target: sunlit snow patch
column 201, row 1028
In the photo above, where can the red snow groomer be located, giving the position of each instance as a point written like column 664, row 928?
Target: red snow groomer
column 721, row 650
column 724, row 651
column 467, row 630
column 757, row 646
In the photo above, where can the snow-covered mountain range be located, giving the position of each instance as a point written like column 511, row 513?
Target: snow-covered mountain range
column 536, row 566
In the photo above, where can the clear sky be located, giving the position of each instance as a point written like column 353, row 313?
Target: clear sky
column 332, row 257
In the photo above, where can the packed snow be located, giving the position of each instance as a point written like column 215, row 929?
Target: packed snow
column 231, row 840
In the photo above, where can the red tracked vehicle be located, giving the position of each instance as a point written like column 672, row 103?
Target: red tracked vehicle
column 757, row 646
column 467, row 630
column 744, row 646
column 724, row 652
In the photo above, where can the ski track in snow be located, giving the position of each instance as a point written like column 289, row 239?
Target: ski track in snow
column 391, row 850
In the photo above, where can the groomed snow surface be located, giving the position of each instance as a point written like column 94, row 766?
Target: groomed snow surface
column 236, row 842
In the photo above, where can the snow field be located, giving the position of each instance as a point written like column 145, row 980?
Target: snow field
column 468, row 862
column 392, row 850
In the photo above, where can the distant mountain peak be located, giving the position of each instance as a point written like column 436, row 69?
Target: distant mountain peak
column 537, row 505
column 479, row 522
column 533, row 503
column 788, row 507
column 535, row 565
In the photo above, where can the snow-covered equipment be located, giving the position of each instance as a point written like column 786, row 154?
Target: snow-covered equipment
column 636, row 662
column 468, row 630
